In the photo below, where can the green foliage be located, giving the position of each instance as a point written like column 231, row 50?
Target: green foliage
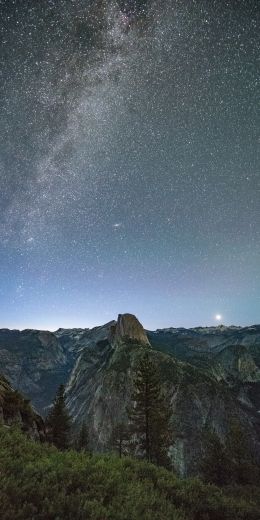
column 243, row 469
column 14, row 404
column 120, row 439
column 83, row 438
column 215, row 465
column 231, row 462
column 58, row 422
column 150, row 415
column 39, row 482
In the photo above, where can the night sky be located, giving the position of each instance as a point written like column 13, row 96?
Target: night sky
column 129, row 171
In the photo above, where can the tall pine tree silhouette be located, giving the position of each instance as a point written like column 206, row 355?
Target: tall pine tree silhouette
column 150, row 415
column 58, row 422
column 83, row 438
column 120, row 438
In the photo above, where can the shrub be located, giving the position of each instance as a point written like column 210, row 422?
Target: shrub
column 39, row 482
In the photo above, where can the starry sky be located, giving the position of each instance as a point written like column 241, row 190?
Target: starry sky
column 129, row 169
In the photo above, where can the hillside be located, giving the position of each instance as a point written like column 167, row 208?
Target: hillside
column 37, row 481
column 16, row 410
column 34, row 362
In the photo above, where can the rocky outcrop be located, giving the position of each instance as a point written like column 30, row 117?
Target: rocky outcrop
column 237, row 364
column 14, row 409
column 75, row 340
column 128, row 327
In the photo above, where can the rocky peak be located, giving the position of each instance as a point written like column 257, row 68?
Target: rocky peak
column 128, row 326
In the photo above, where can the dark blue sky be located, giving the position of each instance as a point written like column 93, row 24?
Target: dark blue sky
column 128, row 163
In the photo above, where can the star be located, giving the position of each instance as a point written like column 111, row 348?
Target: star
column 128, row 164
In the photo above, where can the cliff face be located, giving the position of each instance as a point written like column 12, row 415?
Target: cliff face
column 206, row 346
column 228, row 354
column 14, row 409
column 100, row 391
column 101, row 384
column 76, row 340
column 128, row 327
column 35, row 363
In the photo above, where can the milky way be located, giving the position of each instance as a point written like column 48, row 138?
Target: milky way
column 128, row 162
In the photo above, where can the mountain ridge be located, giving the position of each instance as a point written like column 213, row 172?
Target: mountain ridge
column 209, row 375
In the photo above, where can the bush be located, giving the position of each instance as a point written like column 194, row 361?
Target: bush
column 41, row 483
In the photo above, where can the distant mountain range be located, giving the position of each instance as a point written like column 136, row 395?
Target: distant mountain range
column 210, row 375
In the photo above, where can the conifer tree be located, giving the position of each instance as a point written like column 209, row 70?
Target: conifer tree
column 215, row 464
column 58, row 422
column 230, row 462
column 150, row 414
column 243, row 468
column 120, row 438
column 83, row 438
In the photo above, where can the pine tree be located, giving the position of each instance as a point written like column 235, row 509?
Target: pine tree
column 58, row 422
column 230, row 462
column 150, row 415
column 120, row 438
column 242, row 465
column 83, row 438
column 215, row 464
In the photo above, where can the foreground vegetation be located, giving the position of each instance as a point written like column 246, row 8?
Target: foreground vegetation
column 38, row 482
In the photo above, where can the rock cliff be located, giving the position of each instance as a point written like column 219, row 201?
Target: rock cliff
column 34, row 362
column 101, row 384
column 128, row 327
column 14, row 409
